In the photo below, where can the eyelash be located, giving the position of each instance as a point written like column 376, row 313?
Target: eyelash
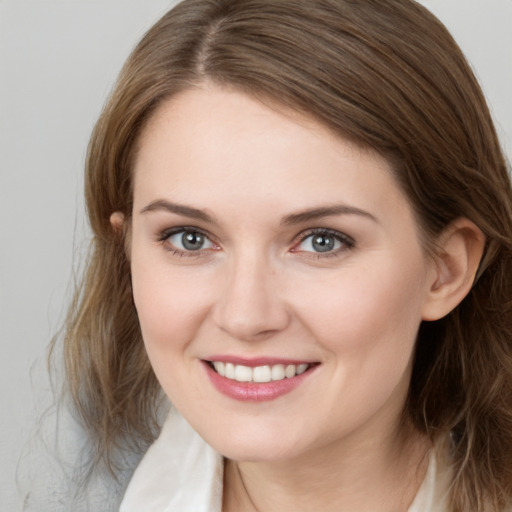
column 347, row 242
column 166, row 234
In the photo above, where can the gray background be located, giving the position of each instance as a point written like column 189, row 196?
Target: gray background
column 58, row 61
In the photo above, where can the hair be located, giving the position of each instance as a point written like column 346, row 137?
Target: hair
column 385, row 74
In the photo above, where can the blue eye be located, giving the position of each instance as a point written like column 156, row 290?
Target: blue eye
column 189, row 240
column 322, row 241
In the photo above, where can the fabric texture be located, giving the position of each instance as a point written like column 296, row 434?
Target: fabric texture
column 179, row 473
column 182, row 473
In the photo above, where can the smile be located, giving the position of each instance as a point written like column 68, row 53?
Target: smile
column 266, row 373
column 256, row 381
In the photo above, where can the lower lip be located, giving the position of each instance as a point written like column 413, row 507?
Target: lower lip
column 255, row 391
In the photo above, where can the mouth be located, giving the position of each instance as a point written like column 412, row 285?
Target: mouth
column 259, row 374
column 256, row 381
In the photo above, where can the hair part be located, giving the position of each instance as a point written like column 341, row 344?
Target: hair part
column 385, row 74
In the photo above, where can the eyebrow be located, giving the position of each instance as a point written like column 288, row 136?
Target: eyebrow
column 288, row 220
column 180, row 209
column 324, row 211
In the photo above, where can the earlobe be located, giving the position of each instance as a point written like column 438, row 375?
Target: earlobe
column 460, row 249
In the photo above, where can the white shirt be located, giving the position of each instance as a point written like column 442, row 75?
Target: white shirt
column 182, row 473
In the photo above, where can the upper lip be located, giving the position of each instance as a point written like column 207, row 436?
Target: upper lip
column 252, row 362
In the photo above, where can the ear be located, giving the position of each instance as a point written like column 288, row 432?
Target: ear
column 117, row 222
column 121, row 228
column 458, row 254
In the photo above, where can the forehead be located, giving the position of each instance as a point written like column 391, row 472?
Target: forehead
column 214, row 146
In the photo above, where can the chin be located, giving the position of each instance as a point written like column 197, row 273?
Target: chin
column 256, row 444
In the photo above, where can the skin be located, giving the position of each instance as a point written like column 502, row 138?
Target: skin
column 258, row 288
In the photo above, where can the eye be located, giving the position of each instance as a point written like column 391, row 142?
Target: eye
column 188, row 240
column 324, row 241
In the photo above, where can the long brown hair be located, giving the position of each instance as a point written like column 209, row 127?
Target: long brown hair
column 387, row 75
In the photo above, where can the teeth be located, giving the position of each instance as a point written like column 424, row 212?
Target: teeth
column 243, row 373
column 220, row 368
column 261, row 374
column 289, row 371
column 265, row 373
column 301, row 368
column 229, row 370
column 277, row 372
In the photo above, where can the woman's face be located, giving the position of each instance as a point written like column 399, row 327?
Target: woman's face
column 287, row 258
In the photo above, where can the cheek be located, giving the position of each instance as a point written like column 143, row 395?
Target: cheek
column 170, row 305
column 373, row 307
column 170, row 310
column 367, row 325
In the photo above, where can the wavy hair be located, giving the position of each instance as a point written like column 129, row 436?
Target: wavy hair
column 385, row 74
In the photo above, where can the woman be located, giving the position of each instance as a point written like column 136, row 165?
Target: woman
column 303, row 235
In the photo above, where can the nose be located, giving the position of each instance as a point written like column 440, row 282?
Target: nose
column 250, row 305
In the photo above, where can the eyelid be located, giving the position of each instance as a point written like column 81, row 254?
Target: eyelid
column 165, row 234
column 347, row 241
column 178, row 229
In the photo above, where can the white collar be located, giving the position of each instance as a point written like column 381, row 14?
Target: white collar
column 179, row 473
column 182, row 473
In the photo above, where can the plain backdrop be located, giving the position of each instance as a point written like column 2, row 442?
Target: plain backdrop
column 58, row 62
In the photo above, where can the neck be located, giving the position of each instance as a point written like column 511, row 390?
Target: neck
column 381, row 476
